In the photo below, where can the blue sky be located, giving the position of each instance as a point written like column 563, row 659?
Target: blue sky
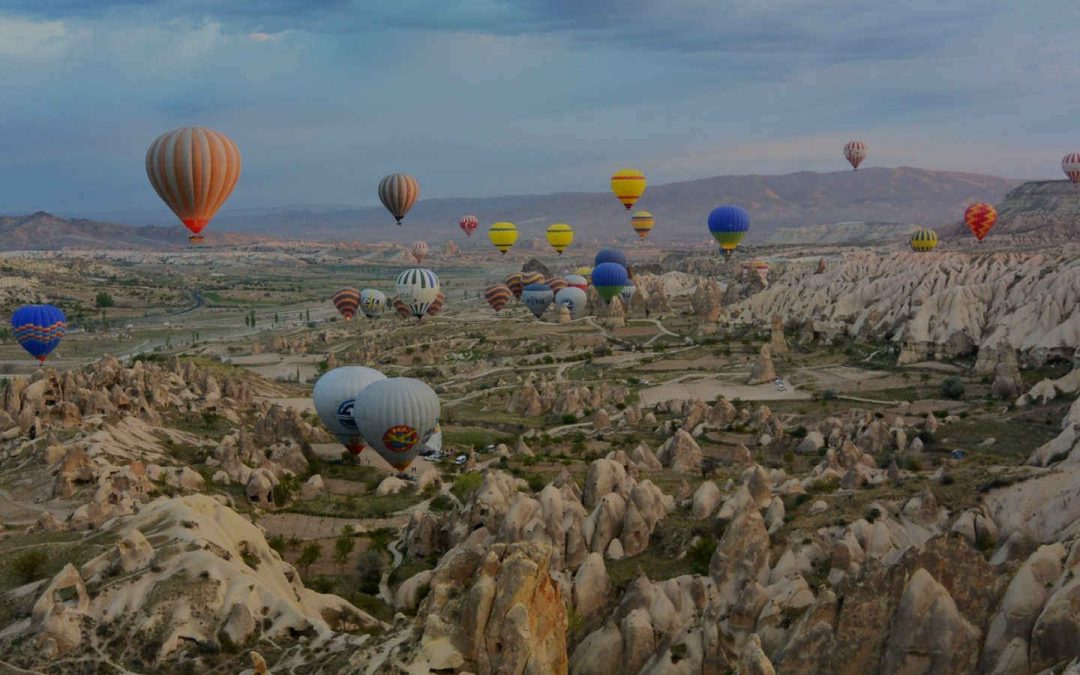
column 487, row 97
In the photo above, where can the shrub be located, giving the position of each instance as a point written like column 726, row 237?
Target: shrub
column 441, row 503
column 29, row 565
column 700, row 554
column 952, row 388
column 569, row 419
column 829, row 395
column 370, row 568
column 466, row 484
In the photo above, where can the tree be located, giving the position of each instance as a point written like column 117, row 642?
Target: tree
column 103, row 300
column 309, row 556
column 309, row 316
column 343, row 546
column 370, row 566
column 952, row 388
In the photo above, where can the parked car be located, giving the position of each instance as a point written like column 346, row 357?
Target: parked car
column 461, row 459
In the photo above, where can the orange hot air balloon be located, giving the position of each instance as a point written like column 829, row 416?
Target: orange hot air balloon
column 193, row 170
column 980, row 218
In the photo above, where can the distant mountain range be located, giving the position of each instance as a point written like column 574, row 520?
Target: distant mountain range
column 878, row 196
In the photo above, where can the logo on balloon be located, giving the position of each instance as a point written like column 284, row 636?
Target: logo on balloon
column 345, row 414
column 400, row 438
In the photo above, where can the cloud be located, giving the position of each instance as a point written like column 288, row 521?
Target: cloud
column 21, row 37
column 267, row 37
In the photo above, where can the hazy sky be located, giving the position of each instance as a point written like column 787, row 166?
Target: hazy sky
column 485, row 97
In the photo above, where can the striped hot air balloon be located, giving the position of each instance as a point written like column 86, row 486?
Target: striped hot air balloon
column 418, row 288
column 1070, row 164
column 557, row 284
column 503, row 235
column 347, row 300
column 403, row 310
column 39, row 329
column 855, row 152
column 528, row 278
column 436, row 305
column 980, row 218
column 923, row 240
column 398, row 192
column 628, row 186
column 372, row 302
column 419, row 251
column 193, row 170
column 515, row 283
column 642, row 222
column 468, row 224
column 497, row 296
column 560, row 236
column 728, row 225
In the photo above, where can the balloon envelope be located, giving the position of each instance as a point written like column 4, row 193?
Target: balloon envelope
column 346, row 300
column 372, row 302
column 497, row 296
column 574, row 299
column 515, row 284
column 334, row 395
column 532, row 278
column 1070, row 164
column 437, row 305
column 728, row 225
column 193, row 170
column 503, row 235
column 855, row 152
column 924, row 240
column 609, row 279
column 39, row 329
column 642, row 222
column 418, row 288
column 419, row 251
column 537, row 297
column 577, row 281
column 398, row 192
column 613, row 255
column 396, row 417
column 628, row 186
column 556, row 284
column 980, row 218
column 559, row 236
column 468, row 224
column 626, row 293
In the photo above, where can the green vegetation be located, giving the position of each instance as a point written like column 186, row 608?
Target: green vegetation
column 466, row 484
column 952, row 388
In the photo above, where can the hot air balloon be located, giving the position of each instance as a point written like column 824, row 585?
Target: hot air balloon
column 419, row 251
column 537, row 297
column 606, row 255
column 627, row 293
column 503, row 235
column 403, row 310
column 372, row 302
column 560, row 235
column 556, row 284
column 435, row 307
column 584, row 271
column 398, row 192
column 759, row 267
column 923, row 240
column 396, row 416
column 468, row 224
column 515, row 284
column 628, row 185
column 980, row 218
column 497, row 296
column 574, row 299
column 855, row 152
column 532, row 278
column 577, row 281
column 334, row 395
column 435, row 442
column 642, row 222
column 193, row 170
column 39, row 329
column 728, row 225
column 346, row 300
column 1070, row 164
column 609, row 279
column 418, row 288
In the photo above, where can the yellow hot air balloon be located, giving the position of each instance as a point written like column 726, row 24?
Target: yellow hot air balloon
column 584, row 271
column 642, row 222
column 628, row 185
column 923, row 240
column 503, row 235
column 560, row 235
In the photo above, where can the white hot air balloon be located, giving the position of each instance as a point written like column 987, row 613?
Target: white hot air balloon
column 334, row 397
column 372, row 302
column 574, row 299
column 626, row 294
column 418, row 288
column 396, row 417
